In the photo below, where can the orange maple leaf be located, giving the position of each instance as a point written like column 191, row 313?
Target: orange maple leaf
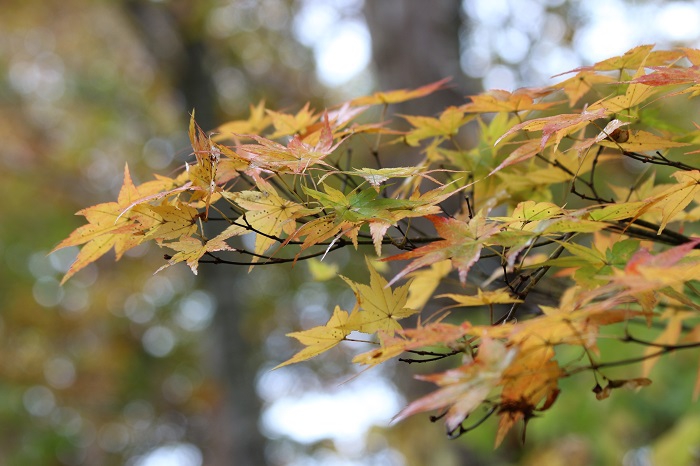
column 400, row 95
column 462, row 243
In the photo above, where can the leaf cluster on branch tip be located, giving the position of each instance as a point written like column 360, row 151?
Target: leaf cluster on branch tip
column 575, row 187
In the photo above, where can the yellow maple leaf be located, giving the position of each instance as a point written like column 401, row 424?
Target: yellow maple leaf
column 425, row 282
column 255, row 124
column 483, row 298
column 497, row 100
column 381, row 307
column 108, row 228
column 445, row 126
column 320, row 339
column 287, row 125
column 267, row 213
column 174, row 221
column 674, row 199
column 190, row 249
column 640, row 141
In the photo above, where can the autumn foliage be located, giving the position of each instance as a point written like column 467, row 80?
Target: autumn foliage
column 574, row 210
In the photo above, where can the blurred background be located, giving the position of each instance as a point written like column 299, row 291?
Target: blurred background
column 120, row 366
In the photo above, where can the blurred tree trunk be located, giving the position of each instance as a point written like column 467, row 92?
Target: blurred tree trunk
column 175, row 39
column 415, row 43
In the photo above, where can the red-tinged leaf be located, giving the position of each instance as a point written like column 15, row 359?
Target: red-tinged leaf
column 497, row 100
column 342, row 116
column 430, row 335
column 465, row 388
column 666, row 76
column 401, row 95
column 649, row 272
column 669, row 258
column 296, row 157
column 529, row 380
column 633, row 59
column 525, row 151
column 462, row 244
column 556, row 125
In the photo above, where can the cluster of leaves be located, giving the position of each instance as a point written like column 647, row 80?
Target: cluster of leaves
column 527, row 209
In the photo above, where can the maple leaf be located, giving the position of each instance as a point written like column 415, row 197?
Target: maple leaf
column 483, row 298
column 445, row 126
column 635, row 94
column 674, row 199
column 256, row 123
column 364, row 207
column 463, row 389
column 646, row 271
column 575, row 321
column 557, row 125
column 296, row 157
column 381, row 307
column 578, row 86
column 400, row 95
column 173, row 221
column 531, row 377
column 190, row 249
column 321, row 338
column 286, row 124
column 430, row 335
column 497, row 100
column 203, row 173
column 664, row 76
column 633, row 59
column 526, row 150
column 108, row 228
column 267, row 213
column 424, row 282
column 623, row 210
column 462, row 243
column 376, row 176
